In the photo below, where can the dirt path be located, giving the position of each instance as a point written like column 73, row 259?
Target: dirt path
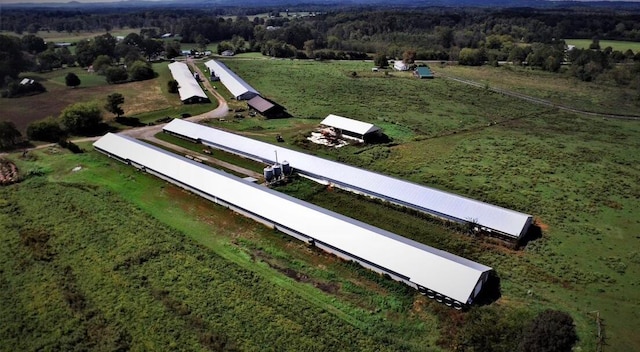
column 226, row 165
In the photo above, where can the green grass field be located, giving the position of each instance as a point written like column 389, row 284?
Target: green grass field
column 211, row 279
column 73, row 37
column 614, row 44
column 575, row 174
column 557, row 88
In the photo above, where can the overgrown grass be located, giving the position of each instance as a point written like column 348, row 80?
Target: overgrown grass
column 210, row 278
column 558, row 88
column 574, row 174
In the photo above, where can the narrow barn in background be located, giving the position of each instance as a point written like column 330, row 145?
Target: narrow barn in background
column 240, row 89
column 188, row 87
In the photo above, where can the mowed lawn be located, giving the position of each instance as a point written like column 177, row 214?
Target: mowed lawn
column 619, row 45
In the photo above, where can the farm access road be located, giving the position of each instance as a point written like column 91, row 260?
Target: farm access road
column 535, row 100
column 148, row 132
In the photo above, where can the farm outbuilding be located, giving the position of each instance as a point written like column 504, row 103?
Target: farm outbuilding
column 423, row 72
column 487, row 218
column 188, row 87
column 240, row 89
column 266, row 107
column 399, row 65
column 451, row 279
column 350, row 128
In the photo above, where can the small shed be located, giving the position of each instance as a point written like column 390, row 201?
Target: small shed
column 350, row 128
column 266, row 107
column 423, row 72
column 399, row 65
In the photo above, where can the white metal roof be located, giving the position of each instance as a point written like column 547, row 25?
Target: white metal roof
column 236, row 85
column 347, row 124
column 452, row 206
column 443, row 272
column 188, row 87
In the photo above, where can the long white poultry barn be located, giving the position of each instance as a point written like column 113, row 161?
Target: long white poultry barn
column 240, row 89
column 487, row 217
column 454, row 280
column 188, row 88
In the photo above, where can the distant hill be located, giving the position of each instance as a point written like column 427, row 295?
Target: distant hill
column 327, row 3
column 628, row 5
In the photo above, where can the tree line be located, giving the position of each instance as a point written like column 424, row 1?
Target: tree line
column 532, row 37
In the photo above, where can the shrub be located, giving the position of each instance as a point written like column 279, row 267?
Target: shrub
column 551, row 330
column 47, row 130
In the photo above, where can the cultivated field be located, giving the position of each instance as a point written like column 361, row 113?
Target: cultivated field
column 575, row 174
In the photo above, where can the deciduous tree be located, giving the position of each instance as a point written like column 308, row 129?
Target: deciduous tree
column 116, row 75
column 48, row 130
column 380, row 60
column 172, row 85
column 81, row 118
column 140, row 70
column 9, row 134
column 551, row 330
column 72, row 80
column 114, row 101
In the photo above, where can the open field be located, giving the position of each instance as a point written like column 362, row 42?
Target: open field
column 576, row 175
column 147, row 100
column 74, row 37
column 404, row 107
column 614, row 44
column 268, row 290
column 559, row 89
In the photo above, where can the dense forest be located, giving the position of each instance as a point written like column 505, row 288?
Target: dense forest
column 470, row 36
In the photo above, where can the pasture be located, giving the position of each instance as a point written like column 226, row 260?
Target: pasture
column 574, row 174
column 619, row 45
column 211, row 277
column 559, row 89
column 146, row 100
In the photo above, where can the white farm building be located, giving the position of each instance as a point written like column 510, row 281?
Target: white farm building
column 488, row 218
column 240, row 89
column 188, row 88
column 350, row 128
column 454, row 280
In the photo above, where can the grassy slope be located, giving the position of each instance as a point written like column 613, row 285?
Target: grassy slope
column 574, row 174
